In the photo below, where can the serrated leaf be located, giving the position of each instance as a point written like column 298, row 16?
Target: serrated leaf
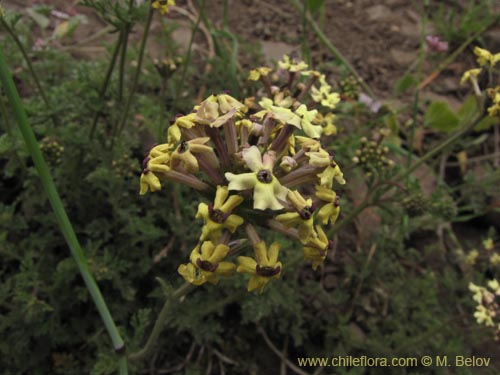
column 5, row 143
column 439, row 116
column 167, row 288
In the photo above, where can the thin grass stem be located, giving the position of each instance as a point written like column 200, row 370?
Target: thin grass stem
column 58, row 208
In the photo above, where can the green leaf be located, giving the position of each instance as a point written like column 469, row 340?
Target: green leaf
column 40, row 19
column 439, row 116
column 468, row 110
column 403, row 84
column 486, row 123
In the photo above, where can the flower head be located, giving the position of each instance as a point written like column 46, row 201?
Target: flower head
column 292, row 65
column 317, row 247
column 157, row 162
column 267, row 190
column 163, row 5
column 255, row 74
column 330, row 211
column 218, row 216
column 263, row 268
column 486, row 57
column 302, row 217
column 206, row 264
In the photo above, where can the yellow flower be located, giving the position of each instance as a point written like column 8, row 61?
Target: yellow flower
column 282, row 114
column 324, row 96
column 291, row 65
column 183, row 154
column 494, row 110
column 163, row 5
column 484, row 56
column 313, row 131
column 303, row 217
column 267, row 190
column 469, row 75
column 206, row 264
column 488, row 244
column 318, row 158
column 472, row 257
column 330, row 211
column 218, row 216
column 157, row 162
column 494, row 285
column 484, row 316
column 174, row 131
column 317, row 247
column 263, row 268
column 495, row 259
column 288, row 163
column 228, row 103
column 216, row 110
column 255, row 74
column 329, row 127
column 477, row 291
column 330, row 173
column 308, row 144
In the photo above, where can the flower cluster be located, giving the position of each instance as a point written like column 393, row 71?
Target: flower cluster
column 262, row 165
column 372, row 156
column 163, row 5
column 487, row 308
column 52, row 150
column 486, row 61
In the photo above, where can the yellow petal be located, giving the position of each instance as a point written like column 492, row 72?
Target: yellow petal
column 264, row 196
column 273, row 253
column 233, row 222
column 232, row 202
column 226, row 268
column 253, row 158
column 219, row 253
column 220, row 196
column 202, row 211
column 246, row 265
column 242, row 181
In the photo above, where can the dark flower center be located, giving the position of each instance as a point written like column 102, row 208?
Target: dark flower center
column 267, row 271
column 265, row 176
column 217, row 215
column 306, row 213
column 183, row 147
column 205, row 265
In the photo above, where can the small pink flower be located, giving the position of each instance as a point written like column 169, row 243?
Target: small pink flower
column 435, row 44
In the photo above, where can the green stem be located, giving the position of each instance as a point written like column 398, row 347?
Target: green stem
column 31, row 69
column 105, row 84
column 160, row 321
column 448, row 142
column 421, row 58
column 123, row 56
column 57, row 206
column 118, row 129
column 187, row 59
column 352, row 215
column 332, row 48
